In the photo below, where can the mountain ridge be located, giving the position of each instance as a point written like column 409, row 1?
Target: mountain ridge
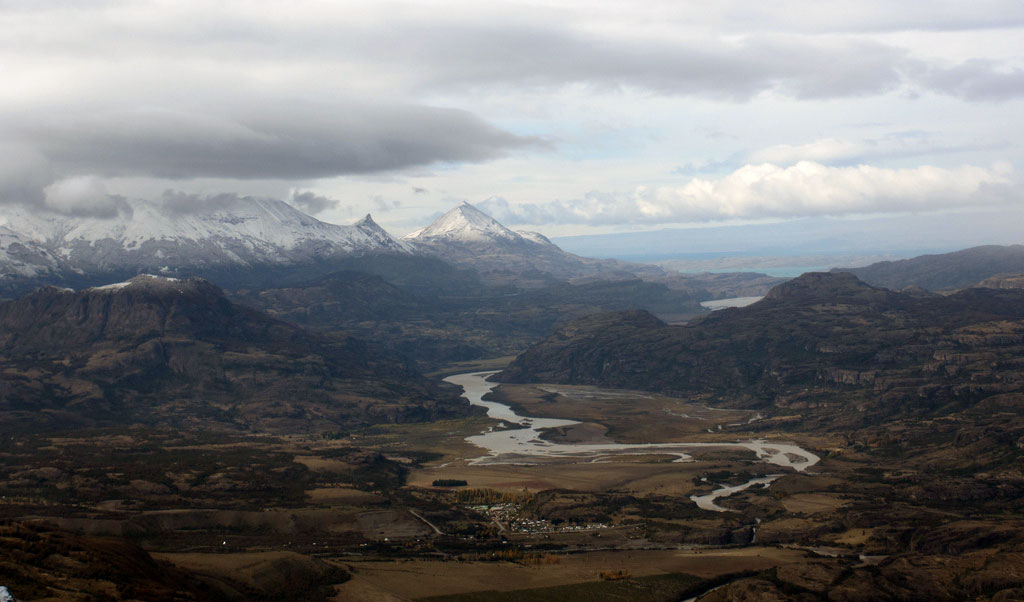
column 802, row 345
column 232, row 233
column 944, row 271
column 176, row 352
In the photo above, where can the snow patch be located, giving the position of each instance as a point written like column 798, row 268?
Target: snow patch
column 536, row 237
column 136, row 280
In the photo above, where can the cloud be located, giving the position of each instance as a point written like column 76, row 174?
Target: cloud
column 134, row 94
column 177, row 202
column 541, row 56
column 84, row 196
column 287, row 141
column 735, row 51
column 824, row 150
column 770, row 191
column 973, row 79
column 24, row 173
column 72, row 149
column 834, row 151
column 312, row 203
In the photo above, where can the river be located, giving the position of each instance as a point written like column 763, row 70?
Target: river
column 524, row 445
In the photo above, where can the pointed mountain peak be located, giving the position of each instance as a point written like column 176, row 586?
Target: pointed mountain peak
column 470, row 212
column 367, row 222
column 380, row 237
column 465, row 223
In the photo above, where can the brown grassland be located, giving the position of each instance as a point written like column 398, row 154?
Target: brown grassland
column 355, row 516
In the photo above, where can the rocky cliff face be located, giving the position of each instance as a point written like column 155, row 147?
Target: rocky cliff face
column 819, row 341
column 176, row 352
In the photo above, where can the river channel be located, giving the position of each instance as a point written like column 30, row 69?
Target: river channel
column 523, row 444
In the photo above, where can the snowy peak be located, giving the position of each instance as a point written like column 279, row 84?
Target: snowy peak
column 377, row 235
column 368, row 223
column 180, row 235
column 467, row 224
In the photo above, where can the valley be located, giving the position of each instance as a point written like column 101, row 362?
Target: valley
column 308, row 438
column 511, row 301
column 358, row 516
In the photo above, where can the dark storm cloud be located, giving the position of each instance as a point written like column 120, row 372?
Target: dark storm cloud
column 285, row 141
column 312, row 203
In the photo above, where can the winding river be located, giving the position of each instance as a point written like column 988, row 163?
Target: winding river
column 524, row 445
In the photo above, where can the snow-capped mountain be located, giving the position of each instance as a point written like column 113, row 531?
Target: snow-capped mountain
column 467, row 225
column 467, row 236
column 464, row 224
column 233, row 233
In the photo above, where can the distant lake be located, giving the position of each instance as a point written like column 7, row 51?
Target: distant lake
column 731, row 302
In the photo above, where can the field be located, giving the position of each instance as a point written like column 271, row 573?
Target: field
column 425, row 579
column 357, row 515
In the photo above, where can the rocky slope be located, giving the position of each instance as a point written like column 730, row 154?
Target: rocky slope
column 460, row 323
column 944, row 271
column 177, row 352
column 822, row 342
column 220, row 237
column 1007, row 281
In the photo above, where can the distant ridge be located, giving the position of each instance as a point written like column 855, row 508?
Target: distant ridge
column 956, row 270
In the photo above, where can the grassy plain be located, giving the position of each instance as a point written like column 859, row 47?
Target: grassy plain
column 413, row 579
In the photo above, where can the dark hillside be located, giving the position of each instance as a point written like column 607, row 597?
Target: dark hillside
column 161, row 351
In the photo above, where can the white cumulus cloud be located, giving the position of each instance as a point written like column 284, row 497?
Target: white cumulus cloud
column 766, row 190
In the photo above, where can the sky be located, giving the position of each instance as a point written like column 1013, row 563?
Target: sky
column 569, row 118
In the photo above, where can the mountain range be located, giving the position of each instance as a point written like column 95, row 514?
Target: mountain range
column 244, row 242
column 232, row 235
